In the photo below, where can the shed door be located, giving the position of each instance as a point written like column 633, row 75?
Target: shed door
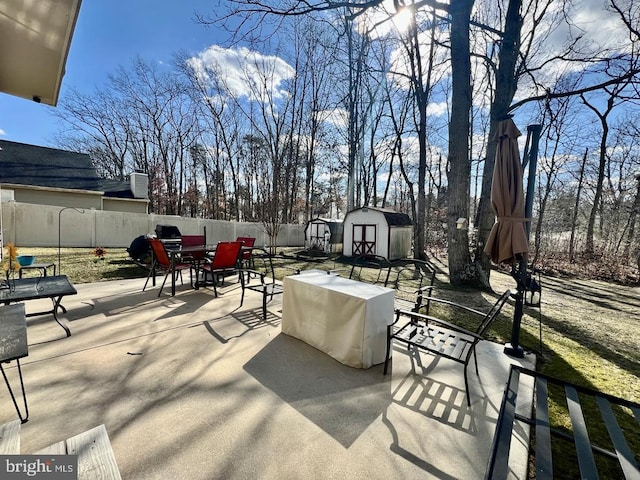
column 316, row 235
column 364, row 240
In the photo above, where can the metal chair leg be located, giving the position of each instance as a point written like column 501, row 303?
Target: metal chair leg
column 388, row 354
column 22, row 418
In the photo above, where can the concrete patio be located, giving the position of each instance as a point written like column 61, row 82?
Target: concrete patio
column 194, row 387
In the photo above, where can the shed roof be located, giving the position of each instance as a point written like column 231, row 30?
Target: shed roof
column 393, row 218
column 24, row 164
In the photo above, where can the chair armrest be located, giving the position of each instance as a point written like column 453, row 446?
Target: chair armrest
column 428, row 318
column 424, row 289
column 455, row 305
column 262, row 275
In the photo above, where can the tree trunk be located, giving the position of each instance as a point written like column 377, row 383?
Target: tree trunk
column 460, row 266
column 589, row 245
column 635, row 210
column 506, row 85
column 576, row 208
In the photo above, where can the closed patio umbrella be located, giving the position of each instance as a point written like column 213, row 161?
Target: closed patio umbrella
column 507, row 242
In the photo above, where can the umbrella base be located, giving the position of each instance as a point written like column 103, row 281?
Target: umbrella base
column 513, row 351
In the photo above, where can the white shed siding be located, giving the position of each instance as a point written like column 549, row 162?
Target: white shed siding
column 368, row 217
column 392, row 242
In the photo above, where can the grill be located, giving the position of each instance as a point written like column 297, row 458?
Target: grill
column 170, row 236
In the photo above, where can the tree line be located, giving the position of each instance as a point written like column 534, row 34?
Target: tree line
column 319, row 107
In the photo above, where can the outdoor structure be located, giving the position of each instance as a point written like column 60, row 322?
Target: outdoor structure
column 377, row 231
column 34, row 43
column 49, row 176
column 324, row 235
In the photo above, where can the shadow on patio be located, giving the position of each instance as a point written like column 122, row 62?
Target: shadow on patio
column 193, row 387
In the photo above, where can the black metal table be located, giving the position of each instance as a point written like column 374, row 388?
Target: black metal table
column 194, row 255
column 53, row 287
column 13, row 346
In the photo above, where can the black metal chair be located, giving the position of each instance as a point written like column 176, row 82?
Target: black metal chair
column 609, row 452
column 413, row 282
column 13, row 346
column 225, row 262
column 161, row 260
column 439, row 337
column 371, row 269
column 262, row 278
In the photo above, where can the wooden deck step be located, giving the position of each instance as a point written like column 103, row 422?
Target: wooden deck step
column 95, row 455
column 10, row 438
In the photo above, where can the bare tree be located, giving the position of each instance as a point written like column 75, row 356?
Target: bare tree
column 614, row 98
column 142, row 119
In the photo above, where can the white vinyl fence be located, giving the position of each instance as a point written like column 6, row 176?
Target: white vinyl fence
column 28, row 225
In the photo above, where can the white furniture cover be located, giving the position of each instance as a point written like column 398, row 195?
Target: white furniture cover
column 341, row 317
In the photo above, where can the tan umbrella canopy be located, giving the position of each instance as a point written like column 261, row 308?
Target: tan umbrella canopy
column 507, row 242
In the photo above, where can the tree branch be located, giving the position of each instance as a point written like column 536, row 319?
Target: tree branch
column 580, row 91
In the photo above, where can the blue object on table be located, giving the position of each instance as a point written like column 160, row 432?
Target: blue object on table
column 26, row 260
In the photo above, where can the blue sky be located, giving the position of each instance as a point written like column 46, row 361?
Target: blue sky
column 109, row 34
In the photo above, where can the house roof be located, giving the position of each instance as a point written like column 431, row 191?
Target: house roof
column 32, row 165
column 34, row 43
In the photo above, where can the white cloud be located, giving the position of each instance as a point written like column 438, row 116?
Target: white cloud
column 339, row 117
column 2, row 132
column 437, row 109
column 599, row 29
column 243, row 72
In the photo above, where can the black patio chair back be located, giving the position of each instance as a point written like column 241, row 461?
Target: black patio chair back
column 413, row 282
column 261, row 278
column 370, row 268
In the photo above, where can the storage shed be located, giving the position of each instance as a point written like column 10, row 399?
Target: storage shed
column 324, row 235
column 377, row 231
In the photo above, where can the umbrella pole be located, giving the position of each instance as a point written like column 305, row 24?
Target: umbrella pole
column 514, row 348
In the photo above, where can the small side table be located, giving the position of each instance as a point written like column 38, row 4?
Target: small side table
column 13, row 346
column 38, row 266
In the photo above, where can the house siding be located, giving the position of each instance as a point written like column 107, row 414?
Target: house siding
column 120, row 205
column 58, row 198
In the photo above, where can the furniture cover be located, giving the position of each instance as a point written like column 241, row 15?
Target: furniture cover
column 344, row 318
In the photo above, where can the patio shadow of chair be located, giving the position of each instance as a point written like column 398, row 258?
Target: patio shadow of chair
column 419, row 401
column 433, row 368
column 237, row 324
column 437, row 400
column 341, row 400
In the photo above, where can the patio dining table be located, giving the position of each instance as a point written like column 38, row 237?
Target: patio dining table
column 194, row 255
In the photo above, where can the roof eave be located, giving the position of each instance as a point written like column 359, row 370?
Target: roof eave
column 35, row 38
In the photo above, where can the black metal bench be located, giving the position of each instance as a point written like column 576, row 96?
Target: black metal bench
column 605, row 410
column 438, row 337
